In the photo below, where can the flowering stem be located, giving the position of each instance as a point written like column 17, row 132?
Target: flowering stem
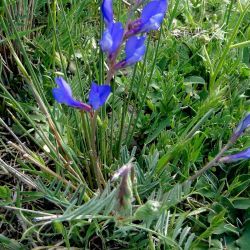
column 214, row 161
column 93, row 154
column 110, row 74
column 91, row 140
column 112, row 121
column 91, row 147
column 86, row 134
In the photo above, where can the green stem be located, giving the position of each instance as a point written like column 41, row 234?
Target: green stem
column 93, row 154
column 151, row 242
column 112, row 120
column 229, row 12
column 137, row 90
column 172, row 16
column 88, row 141
column 72, row 47
column 103, row 139
column 239, row 45
column 54, row 35
column 124, row 112
column 136, row 194
column 146, row 90
column 226, row 50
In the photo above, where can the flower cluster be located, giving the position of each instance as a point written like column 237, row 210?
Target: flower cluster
column 133, row 35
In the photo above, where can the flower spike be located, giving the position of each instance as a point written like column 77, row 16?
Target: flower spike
column 63, row 94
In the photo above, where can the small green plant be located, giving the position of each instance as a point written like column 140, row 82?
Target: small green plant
column 137, row 162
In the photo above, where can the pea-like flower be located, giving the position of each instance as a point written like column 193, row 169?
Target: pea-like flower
column 243, row 155
column 113, row 35
column 112, row 38
column 152, row 15
column 243, row 125
column 97, row 96
column 134, row 50
column 151, row 18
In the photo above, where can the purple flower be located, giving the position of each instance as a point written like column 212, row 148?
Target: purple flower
column 63, row 94
column 244, row 124
column 152, row 15
column 151, row 18
column 112, row 38
column 245, row 154
column 123, row 171
column 97, row 96
column 107, row 11
column 113, row 34
column 134, row 50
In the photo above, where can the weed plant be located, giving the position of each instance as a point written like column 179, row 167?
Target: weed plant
column 162, row 164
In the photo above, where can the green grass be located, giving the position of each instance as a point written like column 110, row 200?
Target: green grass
column 169, row 115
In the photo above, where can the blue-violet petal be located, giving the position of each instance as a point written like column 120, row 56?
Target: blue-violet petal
column 243, row 125
column 112, row 38
column 152, row 15
column 63, row 94
column 134, row 49
column 107, row 11
column 98, row 95
column 243, row 155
